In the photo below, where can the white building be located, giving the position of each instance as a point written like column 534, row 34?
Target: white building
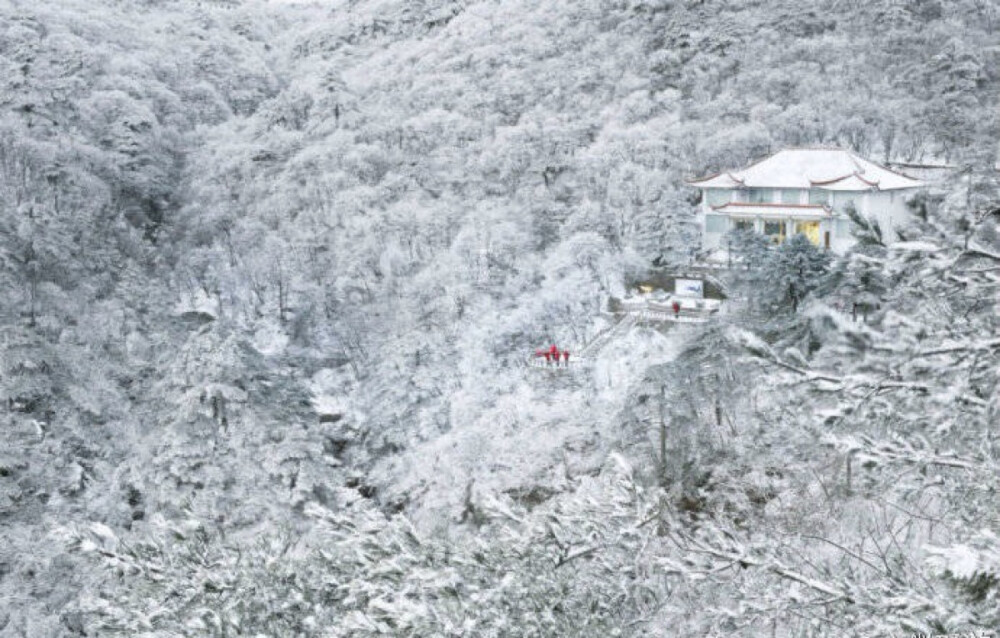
column 803, row 190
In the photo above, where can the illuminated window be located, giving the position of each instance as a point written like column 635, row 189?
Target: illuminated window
column 809, row 229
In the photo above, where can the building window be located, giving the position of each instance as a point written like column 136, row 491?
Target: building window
column 817, row 196
column 718, row 197
column 715, row 223
column 742, row 224
column 755, row 195
column 791, row 196
column 809, row 229
column 775, row 230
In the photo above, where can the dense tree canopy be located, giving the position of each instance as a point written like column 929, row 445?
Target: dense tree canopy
column 271, row 272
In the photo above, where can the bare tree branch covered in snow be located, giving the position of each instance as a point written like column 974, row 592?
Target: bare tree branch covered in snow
column 272, row 272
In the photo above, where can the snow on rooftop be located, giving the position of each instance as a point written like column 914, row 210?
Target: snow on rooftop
column 826, row 168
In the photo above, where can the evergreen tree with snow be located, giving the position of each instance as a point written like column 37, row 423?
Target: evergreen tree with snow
column 795, row 269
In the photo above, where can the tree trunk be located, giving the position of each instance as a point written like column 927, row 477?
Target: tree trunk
column 663, row 436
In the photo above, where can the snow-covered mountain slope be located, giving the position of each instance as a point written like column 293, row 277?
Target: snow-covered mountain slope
column 272, row 272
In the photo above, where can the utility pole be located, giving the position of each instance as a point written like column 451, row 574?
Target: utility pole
column 663, row 435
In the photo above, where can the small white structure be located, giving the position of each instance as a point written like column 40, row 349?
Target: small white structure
column 689, row 288
column 803, row 190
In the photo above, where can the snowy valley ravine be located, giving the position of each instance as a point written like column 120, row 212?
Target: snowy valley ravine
column 272, row 272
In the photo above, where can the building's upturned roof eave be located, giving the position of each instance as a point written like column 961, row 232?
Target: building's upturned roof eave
column 885, row 168
column 699, row 180
column 824, row 182
column 719, row 179
column 843, row 183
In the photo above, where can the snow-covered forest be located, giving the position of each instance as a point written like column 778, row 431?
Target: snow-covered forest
column 271, row 272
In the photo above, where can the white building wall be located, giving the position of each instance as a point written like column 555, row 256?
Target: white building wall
column 841, row 238
column 889, row 209
column 709, row 240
